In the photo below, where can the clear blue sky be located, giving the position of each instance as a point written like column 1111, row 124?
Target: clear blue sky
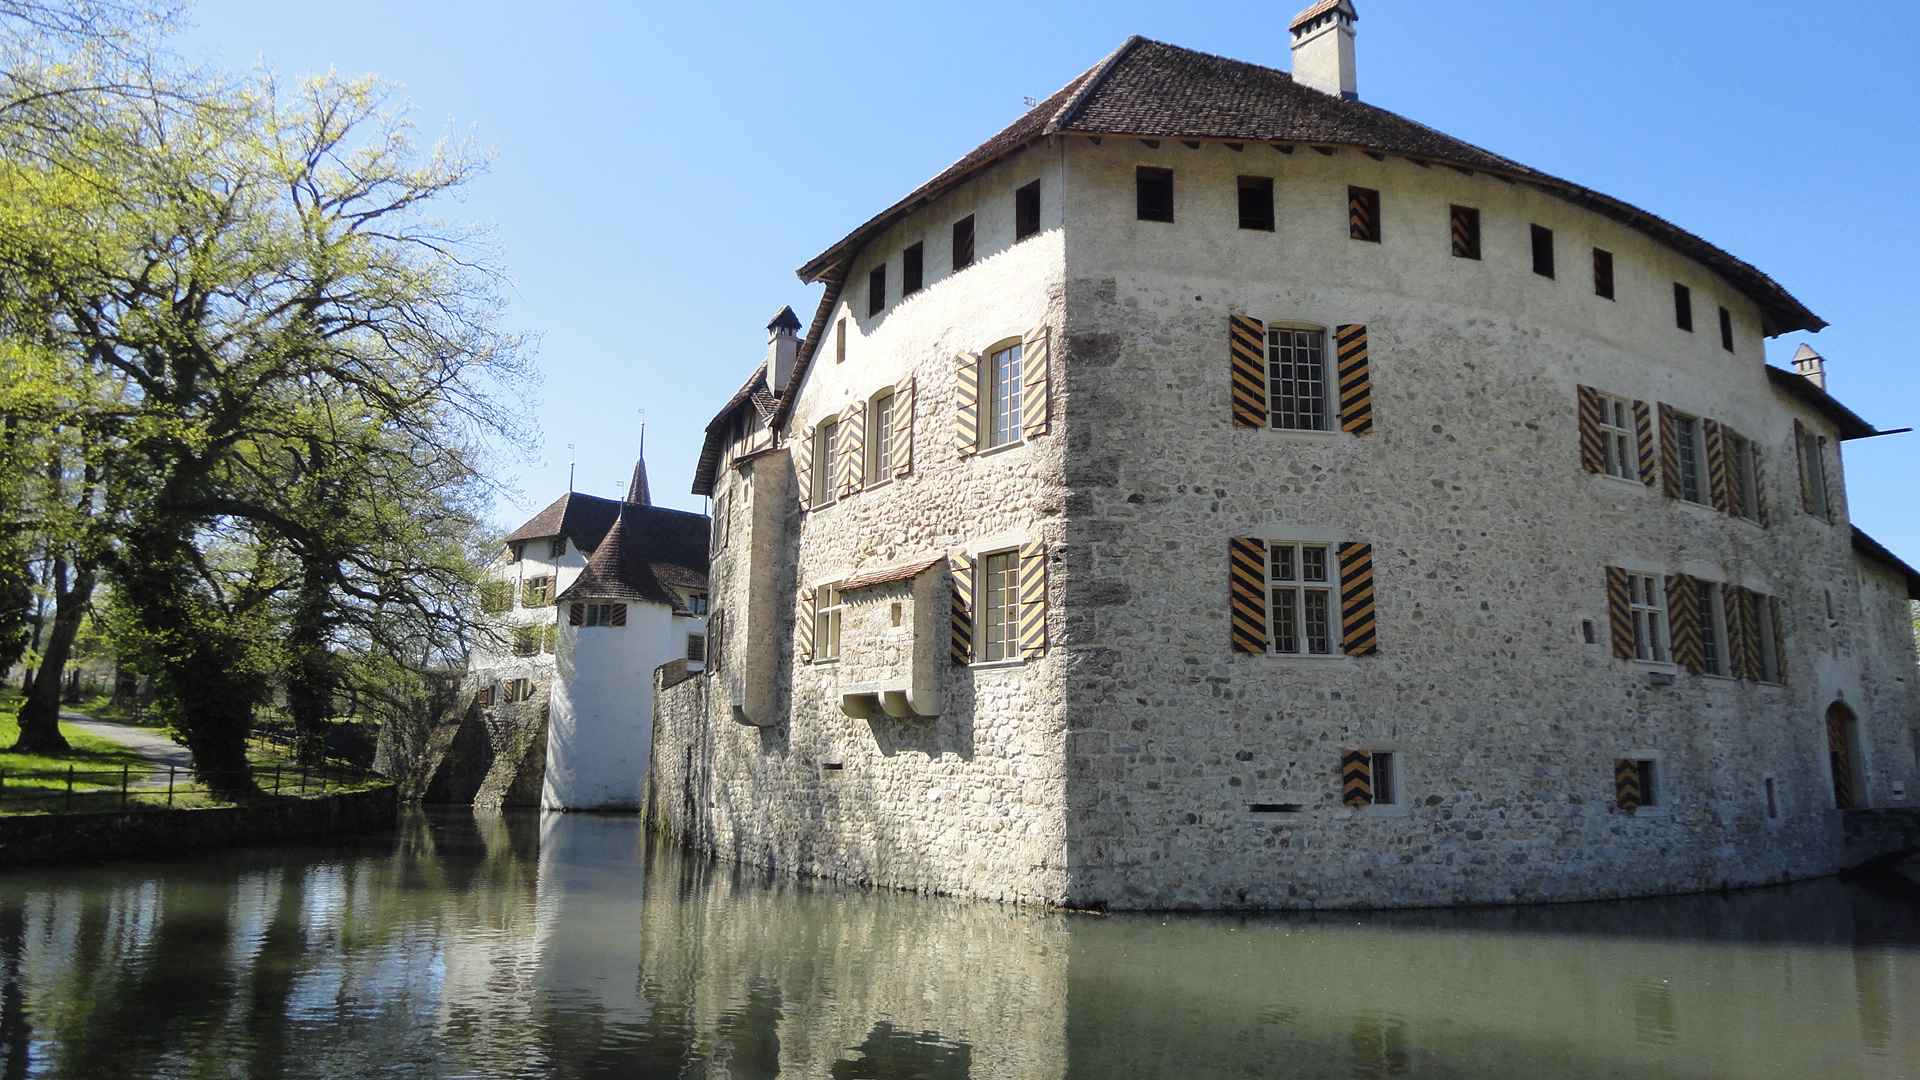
column 663, row 168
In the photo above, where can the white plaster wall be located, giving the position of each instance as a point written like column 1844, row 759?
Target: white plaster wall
column 600, row 730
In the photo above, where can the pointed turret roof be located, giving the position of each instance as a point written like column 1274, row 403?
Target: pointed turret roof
column 637, row 492
column 649, row 554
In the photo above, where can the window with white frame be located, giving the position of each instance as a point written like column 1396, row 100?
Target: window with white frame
column 697, row 603
column 1297, row 378
column 825, row 464
column 1691, row 458
column 1301, row 579
column 1647, row 603
column 1617, row 431
column 1002, row 376
column 880, row 438
column 999, row 632
column 1386, row 778
column 827, row 609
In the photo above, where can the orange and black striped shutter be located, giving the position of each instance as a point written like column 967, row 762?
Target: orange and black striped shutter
column 1036, row 397
column 1719, row 482
column 1363, row 214
column 803, row 627
column 1683, row 624
column 903, row 429
column 1627, row 788
column 1356, row 380
column 1620, row 613
column 576, row 614
column 1759, row 494
column 1669, row 452
column 1356, row 778
column 960, row 623
column 966, row 403
column 1748, row 644
column 1593, row 446
column 1779, row 641
column 851, row 452
column 1643, row 435
column 1735, row 614
column 1247, row 594
column 800, row 444
column 1360, row 627
column 1247, row 352
column 1800, row 456
column 1033, row 601
column 618, row 617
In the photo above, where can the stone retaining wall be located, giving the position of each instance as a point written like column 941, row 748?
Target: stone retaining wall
column 34, row 838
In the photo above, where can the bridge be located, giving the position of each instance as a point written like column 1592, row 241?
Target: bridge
column 1874, row 839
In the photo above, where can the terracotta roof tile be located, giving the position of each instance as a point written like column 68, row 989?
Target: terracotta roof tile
column 887, row 575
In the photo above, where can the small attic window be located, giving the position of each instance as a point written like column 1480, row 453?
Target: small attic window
column 1363, row 214
column 1256, row 203
column 1464, row 223
column 840, row 341
column 513, row 551
column 1543, row 251
column 1683, row 307
column 557, row 547
column 1026, row 211
column 877, row 290
column 1603, row 273
column 1153, row 193
column 1726, row 329
column 912, row 269
column 963, row 243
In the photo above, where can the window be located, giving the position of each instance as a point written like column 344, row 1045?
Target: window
column 880, row 438
column 696, row 648
column 597, row 615
column 722, row 521
column 1647, row 607
column 557, row 547
column 1766, row 626
column 1543, row 251
column 1464, row 225
column 912, row 268
column 1000, row 606
column 1726, row 329
column 1003, row 396
column 840, row 341
column 1743, row 475
column 1603, row 273
column 877, row 289
column 1153, row 192
column 517, row 690
column 513, row 552
column 1297, row 379
column 1026, row 211
column 1302, row 595
column 1813, row 472
column 1683, row 307
column 1617, row 432
column 1635, row 783
column 1363, row 214
column 526, row 640
column 1369, row 778
column 827, row 608
column 963, row 243
column 697, row 603
column 1256, row 203
column 824, row 462
column 484, row 696
column 1713, row 638
column 537, row 591
column 1690, row 458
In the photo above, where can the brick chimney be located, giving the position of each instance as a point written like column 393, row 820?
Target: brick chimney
column 1323, row 48
column 783, row 348
column 1809, row 363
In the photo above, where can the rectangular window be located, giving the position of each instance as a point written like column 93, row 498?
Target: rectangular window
column 1617, row 431
column 513, row 552
column 1603, row 273
column 557, row 547
column 1003, row 388
column 537, row 591
column 880, row 439
column 1000, row 605
column 1647, row 603
column 1464, row 225
column 1765, row 615
column 1713, row 635
column 1302, row 607
column 485, row 695
column 963, row 243
column 696, row 648
column 1386, row 779
column 877, row 290
column 1743, row 487
column 1026, row 211
column 604, row 615
column 1693, row 486
column 912, row 268
column 1297, row 379
column 1256, row 203
column 824, row 463
column 1635, row 784
column 827, row 609
column 1683, row 307
column 1726, row 329
column 1363, row 214
column 1813, row 468
column 1543, row 251
column 840, row 341
column 697, row 603
column 1153, row 193
column 517, row 690
column 722, row 522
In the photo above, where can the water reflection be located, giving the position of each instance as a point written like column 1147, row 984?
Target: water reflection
column 540, row 946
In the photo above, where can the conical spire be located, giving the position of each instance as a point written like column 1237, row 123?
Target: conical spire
column 637, row 487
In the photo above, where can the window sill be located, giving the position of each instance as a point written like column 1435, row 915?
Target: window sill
column 1305, row 433
column 1659, row 812
column 1699, row 507
column 1658, row 665
column 1002, row 448
column 1623, row 481
column 1310, row 658
column 1393, row 810
column 995, row 665
column 827, row 662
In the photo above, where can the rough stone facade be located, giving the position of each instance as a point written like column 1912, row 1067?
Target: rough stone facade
column 1139, row 761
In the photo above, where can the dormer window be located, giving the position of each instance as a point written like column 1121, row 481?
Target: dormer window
column 513, row 551
column 557, row 547
column 697, row 603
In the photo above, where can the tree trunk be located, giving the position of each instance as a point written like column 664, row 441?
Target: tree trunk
column 40, row 714
column 310, row 676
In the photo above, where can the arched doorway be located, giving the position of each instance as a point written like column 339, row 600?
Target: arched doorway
column 1840, row 756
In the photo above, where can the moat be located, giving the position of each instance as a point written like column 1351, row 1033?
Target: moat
column 569, row 946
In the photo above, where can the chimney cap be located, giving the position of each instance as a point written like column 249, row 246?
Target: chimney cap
column 785, row 320
column 1324, row 7
column 1805, row 353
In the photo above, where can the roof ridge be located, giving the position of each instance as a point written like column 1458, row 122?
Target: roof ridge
column 1098, row 75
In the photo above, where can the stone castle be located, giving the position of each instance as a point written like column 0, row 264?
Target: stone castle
column 1213, row 491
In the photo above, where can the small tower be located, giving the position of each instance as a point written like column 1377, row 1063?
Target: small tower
column 1323, row 48
column 783, row 348
column 637, row 487
column 1811, row 365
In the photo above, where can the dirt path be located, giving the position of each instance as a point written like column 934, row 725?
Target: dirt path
column 162, row 751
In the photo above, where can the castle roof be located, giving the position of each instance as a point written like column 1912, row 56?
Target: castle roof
column 1813, row 396
column 649, row 554
column 1873, row 549
column 583, row 519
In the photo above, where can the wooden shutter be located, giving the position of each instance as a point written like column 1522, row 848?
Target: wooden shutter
column 1779, row 640
column 1669, row 452
column 1800, row 457
column 1356, row 600
column 549, row 637
column 960, row 624
column 1247, row 594
column 1683, row 624
column 1759, row 493
column 1749, row 641
column 903, row 429
column 1643, row 434
column 618, row 616
column 1593, row 447
column 803, row 627
column 1033, row 601
column 800, row 446
column 1247, row 357
column 1356, row 380
column 1356, row 778
column 852, row 448
column 1036, row 400
column 1627, row 793
column 1620, row 613
column 966, row 403
column 1719, row 483
column 576, row 615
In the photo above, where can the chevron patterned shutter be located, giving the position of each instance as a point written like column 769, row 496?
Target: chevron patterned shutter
column 803, row 627
column 1760, row 512
column 1749, row 641
column 800, row 442
column 1247, row 594
column 1719, row 482
column 903, row 429
column 1593, row 446
column 1356, row 380
column 1779, row 641
column 1036, row 398
column 576, row 614
column 1033, row 601
column 618, row 616
column 1800, row 456
column 960, row 624
column 1627, row 793
column 1356, row 778
column 1683, row 624
column 1247, row 355
column 852, row 450
column 1643, row 434
column 966, row 403
column 1620, row 613
column 1356, row 600
column 1669, row 452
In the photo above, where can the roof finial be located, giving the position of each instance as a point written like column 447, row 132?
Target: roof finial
column 570, row 455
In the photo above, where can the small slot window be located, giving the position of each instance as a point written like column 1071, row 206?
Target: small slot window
column 1726, row 329
column 1153, row 190
column 877, row 290
column 1636, row 784
column 912, row 269
column 1274, row 808
column 1603, row 273
column 1464, row 225
column 1256, row 203
column 840, row 341
column 1683, row 307
column 1026, row 211
column 1363, row 214
column 963, row 243
column 1543, row 251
